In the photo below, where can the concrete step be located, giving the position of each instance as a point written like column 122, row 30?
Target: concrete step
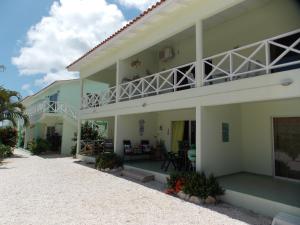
column 137, row 175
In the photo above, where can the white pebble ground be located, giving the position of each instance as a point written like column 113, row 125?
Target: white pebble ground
column 56, row 190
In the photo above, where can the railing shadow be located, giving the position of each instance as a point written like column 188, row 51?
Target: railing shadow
column 52, row 156
column 82, row 163
column 233, row 212
column 17, row 156
column 151, row 184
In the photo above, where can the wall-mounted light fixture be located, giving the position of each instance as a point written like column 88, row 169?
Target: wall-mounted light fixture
column 286, row 82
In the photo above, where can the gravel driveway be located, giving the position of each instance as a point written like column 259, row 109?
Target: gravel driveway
column 56, row 190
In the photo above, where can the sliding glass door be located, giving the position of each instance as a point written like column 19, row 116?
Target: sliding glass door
column 183, row 133
column 287, row 147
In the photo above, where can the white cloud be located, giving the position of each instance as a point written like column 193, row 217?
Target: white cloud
column 50, row 77
column 72, row 28
column 139, row 4
column 27, row 89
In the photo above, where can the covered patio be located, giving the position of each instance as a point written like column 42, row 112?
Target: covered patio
column 261, row 186
column 157, row 141
column 97, row 135
column 253, row 150
column 262, row 194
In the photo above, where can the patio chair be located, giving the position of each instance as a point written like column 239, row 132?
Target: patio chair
column 127, row 147
column 145, row 146
column 169, row 158
column 191, row 154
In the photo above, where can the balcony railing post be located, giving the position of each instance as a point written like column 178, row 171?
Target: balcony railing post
column 143, row 87
column 175, row 79
column 230, row 65
column 157, row 83
column 267, row 52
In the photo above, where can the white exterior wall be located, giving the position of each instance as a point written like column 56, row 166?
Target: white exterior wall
column 220, row 157
column 184, row 52
column 149, row 61
column 274, row 18
column 257, row 136
column 111, row 127
column 128, row 129
column 250, row 146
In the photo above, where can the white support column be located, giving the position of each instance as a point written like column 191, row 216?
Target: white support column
column 78, row 136
column 198, row 138
column 118, row 148
column 115, row 133
column 199, row 53
column 118, row 75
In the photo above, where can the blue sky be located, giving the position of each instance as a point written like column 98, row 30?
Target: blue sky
column 35, row 62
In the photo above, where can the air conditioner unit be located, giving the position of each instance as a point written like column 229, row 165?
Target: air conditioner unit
column 166, row 54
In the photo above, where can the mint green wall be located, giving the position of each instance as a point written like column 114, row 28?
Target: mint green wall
column 90, row 86
column 68, row 93
column 68, row 129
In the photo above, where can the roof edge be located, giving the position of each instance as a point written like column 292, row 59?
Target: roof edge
column 129, row 24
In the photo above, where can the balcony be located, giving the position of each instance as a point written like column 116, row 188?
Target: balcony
column 36, row 111
column 176, row 79
column 276, row 54
column 272, row 55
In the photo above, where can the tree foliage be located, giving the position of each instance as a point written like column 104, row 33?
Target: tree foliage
column 11, row 107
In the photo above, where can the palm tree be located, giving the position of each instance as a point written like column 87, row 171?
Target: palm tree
column 11, row 108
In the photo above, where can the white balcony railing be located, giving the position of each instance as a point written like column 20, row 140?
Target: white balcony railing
column 104, row 97
column 166, row 81
column 171, row 80
column 50, row 107
column 268, row 56
column 254, row 59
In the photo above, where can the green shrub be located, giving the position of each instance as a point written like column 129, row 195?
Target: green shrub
column 196, row 184
column 73, row 151
column 5, row 151
column 108, row 160
column 8, row 136
column 31, row 146
column 39, row 146
column 174, row 177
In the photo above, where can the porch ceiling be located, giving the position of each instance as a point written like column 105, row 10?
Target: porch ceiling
column 233, row 12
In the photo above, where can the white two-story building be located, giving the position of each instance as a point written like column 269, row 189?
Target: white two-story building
column 220, row 75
